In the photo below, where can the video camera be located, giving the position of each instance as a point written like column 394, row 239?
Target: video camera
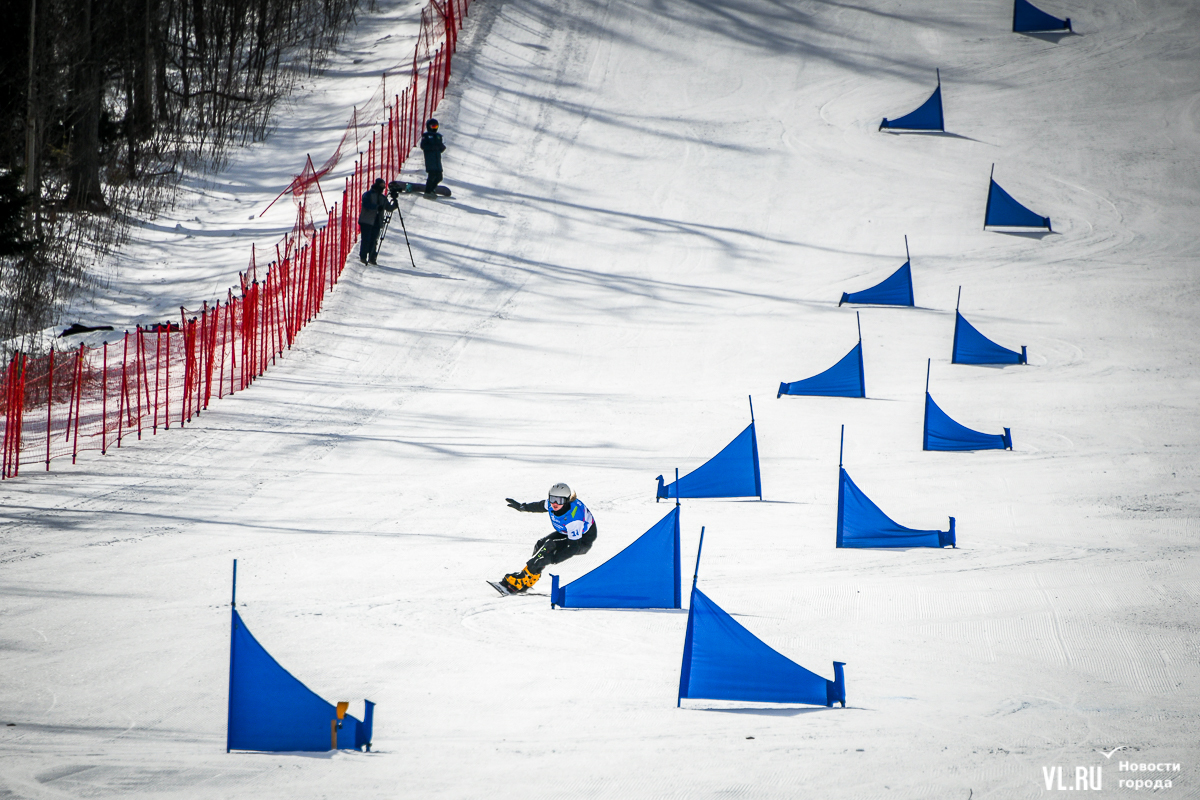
column 395, row 189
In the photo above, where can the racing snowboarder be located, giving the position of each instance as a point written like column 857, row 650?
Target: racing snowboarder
column 574, row 533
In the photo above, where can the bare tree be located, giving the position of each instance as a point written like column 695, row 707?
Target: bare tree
column 104, row 102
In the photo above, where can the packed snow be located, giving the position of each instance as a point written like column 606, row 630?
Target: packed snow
column 656, row 208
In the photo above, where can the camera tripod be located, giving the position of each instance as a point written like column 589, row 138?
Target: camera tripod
column 394, row 191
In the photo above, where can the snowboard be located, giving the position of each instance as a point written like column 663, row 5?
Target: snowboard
column 499, row 587
column 418, row 188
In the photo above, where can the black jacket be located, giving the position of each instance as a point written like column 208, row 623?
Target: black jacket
column 373, row 205
column 433, row 147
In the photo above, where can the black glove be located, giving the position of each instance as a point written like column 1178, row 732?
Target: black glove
column 538, row 506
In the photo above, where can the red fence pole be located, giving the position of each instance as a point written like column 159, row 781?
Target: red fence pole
column 385, row 130
column 49, row 405
column 70, row 405
column 78, row 401
column 371, row 158
column 185, row 395
column 260, row 327
column 280, row 311
column 8, row 424
column 230, row 315
column 189, row 347
column 12, row 428
column 10, row 434
column 167, row 380
column 104, row 403
column 221, row 373
column 157, row 365
column 196, row 356
column 124, row 391
column 140, row 373
column 269, row 316
column 402, row 104
column 425, row 103
column 210, row 344
column 202, row 362
column 252, row 330
column 20, row 411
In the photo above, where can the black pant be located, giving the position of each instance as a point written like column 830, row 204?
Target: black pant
column 435, row 177
column 368, row 249
column 556, row 548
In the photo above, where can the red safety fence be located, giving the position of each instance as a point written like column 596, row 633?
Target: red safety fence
column 96, row 398
column 405, row 113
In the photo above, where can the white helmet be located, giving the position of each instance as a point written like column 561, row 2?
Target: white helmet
column 561, row 493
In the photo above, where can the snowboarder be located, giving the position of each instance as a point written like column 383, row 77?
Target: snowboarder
column 433, row 147
column 574, row 533
column 374, row 204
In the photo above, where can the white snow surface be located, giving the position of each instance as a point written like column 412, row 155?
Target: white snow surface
column 656, row 208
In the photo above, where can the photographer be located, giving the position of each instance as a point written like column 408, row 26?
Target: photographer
column 375, row 205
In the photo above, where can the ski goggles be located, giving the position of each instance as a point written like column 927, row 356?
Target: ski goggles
column 558, row 501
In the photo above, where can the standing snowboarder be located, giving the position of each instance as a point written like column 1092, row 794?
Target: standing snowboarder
column 574, row 533
column 374, row 205
column 433, row 147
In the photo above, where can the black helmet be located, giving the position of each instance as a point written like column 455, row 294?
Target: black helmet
column 431, row 125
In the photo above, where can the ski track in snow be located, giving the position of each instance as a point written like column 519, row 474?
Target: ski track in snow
column 655, row 211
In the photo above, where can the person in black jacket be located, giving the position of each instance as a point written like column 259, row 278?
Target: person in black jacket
column 433, row 147
column 374, row 205
column 573, row 535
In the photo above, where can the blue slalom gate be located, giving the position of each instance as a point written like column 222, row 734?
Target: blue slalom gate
column 940, row 432
column 894, row 290
column 846, row 378
column 972, row 347
column 943, row 433
column 270, row 710
column 733, row 472
column 861, row 523
column 927, row 117
column 724, row 661
column 643, row 575
column 1004, row 212
column 1028, row 18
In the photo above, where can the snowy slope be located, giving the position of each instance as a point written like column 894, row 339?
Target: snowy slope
column 656, row 209
column 193, row 251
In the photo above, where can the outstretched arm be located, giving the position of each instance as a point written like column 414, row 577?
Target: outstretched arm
column 538, row 507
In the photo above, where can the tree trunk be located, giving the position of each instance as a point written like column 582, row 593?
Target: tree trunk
column 84, row 191
column 160, row 67
column 33, row 180
column 142, row 110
